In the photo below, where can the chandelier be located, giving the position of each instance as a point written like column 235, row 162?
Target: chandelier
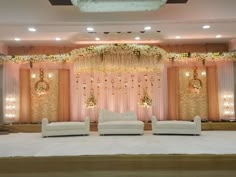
column 117, row 5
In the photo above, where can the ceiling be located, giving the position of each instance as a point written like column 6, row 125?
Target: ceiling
column 68, row 23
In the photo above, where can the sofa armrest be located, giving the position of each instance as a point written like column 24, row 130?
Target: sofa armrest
column 87, row 124
column 44, row 125
column 44, row 122
column 154, row 121
column 197, row 120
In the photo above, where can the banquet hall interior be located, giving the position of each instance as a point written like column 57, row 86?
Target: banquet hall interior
column 117, row 88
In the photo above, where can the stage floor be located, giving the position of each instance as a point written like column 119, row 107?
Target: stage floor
column 33, row 145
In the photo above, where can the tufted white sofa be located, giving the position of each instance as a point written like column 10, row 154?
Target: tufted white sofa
column 176, row 127
column 119, row 123
column 65, row 128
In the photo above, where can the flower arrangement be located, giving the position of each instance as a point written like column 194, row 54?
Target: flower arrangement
column 145, row 101
column 41, row 88
column 91, row 102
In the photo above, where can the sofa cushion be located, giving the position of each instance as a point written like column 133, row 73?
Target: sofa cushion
column 175, row 124
column 106, row 115
column 121, row 125
column 65, row 125
column 128, row 116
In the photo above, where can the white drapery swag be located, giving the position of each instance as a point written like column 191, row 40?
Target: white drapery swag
column 226, row 90
column 11, row 92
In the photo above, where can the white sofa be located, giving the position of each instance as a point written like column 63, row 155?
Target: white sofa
column 65, row 128
column 176, row 127
column 119, row 123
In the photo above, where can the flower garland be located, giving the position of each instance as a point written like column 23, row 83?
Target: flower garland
column 91, row 51
column 127, row 49
column 201, row 57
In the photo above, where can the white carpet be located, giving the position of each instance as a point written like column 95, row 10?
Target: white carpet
column 31, row 144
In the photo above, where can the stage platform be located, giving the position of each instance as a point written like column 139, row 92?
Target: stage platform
column 28, row 154
column 15, row 128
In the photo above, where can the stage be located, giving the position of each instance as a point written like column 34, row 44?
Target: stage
column 27, row 154
column 33, row 145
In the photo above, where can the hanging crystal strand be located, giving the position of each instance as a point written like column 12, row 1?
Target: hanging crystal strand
column 112, row 87
column 139, row 85
column 120, row 81
column 125, row 86
column 132, row 81
column 105, row 79
column 152, row 84
column 98, row 87
column 77, row 81
column 84, row 88
column 146, row 82
column 91, row 83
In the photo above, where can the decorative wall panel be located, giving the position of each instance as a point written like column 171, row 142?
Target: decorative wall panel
column 45, row 106
column 192, row 104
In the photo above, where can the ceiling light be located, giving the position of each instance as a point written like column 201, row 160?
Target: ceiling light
column 147, row 28
column 137, row 38
column 58, row 39
column 97, row 39
column 218, row 36
column 118, row 5
column 31, row 29
column 206, row 26
column 177, row 37
column 17, row 39
column 90, row 29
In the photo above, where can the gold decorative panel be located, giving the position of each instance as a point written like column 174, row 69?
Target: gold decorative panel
column 45, row 106
column 192, row 104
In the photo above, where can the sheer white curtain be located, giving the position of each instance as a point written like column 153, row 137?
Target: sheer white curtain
column 11, row 92
column 118, row 92
column 163, row 94
column 226, row 90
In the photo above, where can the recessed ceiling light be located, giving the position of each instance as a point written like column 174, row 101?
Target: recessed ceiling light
column 17, row 39
column 97, row 39
column 58, row 39
column 206, row 26
column 90, row 29
column 32, row 29
column 177, row 37
column 218, row 36
column 137, row 38
column 147, row 28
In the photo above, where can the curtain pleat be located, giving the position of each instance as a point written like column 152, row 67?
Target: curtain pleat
column 173, row 93
column 11, row 92
column 226, row 90
column 25, row 96
column 64, row 95
column 212, row 91
column 234, row 66
column 1, row 96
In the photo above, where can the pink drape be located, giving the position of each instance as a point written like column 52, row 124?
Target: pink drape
column 123, row 96
column 25, row 96
column 173, row 93
column 64, row 95
column 212, row 91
